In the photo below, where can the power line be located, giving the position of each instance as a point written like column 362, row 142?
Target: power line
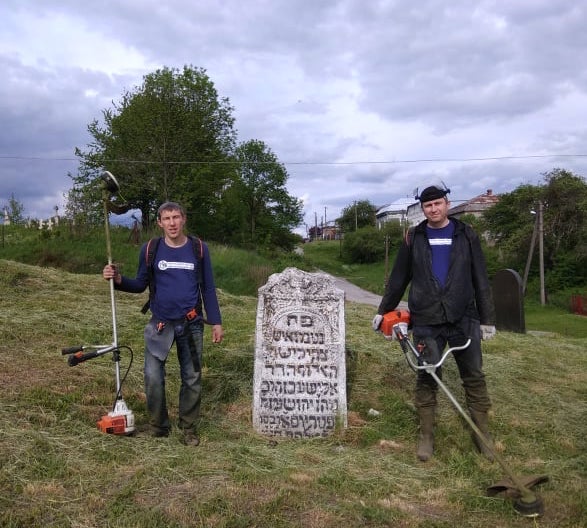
column 311, row 163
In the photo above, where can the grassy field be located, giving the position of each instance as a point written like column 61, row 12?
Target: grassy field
column 58, row 470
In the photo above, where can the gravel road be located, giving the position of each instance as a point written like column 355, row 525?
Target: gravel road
column 355, row 294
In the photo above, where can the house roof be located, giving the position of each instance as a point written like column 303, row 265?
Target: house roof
column 398, row 206
column 477, row 204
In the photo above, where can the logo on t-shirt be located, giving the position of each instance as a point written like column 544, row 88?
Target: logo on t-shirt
column 164, row 265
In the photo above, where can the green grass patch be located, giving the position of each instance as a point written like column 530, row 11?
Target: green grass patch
column 58, row 470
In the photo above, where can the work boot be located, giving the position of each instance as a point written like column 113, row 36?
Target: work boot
column 191, row 438
column 481, row 420
column 159, row 432
column 426, row 434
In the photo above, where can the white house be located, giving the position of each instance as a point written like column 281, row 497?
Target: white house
column 395, row 211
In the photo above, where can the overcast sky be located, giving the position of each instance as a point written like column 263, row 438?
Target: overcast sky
column 360, row 99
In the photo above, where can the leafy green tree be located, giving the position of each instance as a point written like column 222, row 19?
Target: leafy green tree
column 82, row 206
column 15, row 210
column 511, row 223
column 356, row 215
column 169, row 139
column 261, row 210
column 565, row 217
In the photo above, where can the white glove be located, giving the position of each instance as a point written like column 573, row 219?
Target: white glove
column 487, row 332
column 377, row 322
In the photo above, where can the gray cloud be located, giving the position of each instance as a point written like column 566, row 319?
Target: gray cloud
column 334, row 88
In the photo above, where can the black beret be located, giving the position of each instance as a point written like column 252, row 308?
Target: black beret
column 432, row 193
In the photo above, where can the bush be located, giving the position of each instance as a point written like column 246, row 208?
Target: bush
column 364, row 246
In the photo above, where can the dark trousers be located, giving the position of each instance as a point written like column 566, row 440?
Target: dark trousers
column 433, row 340
column 189, row 343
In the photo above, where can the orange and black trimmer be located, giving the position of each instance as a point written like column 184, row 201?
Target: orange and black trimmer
column 120, row 420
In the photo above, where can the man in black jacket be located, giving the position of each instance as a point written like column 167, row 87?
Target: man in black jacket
column 449, row 301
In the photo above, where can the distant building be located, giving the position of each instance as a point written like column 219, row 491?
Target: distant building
column 394, row 212
column 409, row 212
column 475, row 206
column 331, row 231
column 415, row 214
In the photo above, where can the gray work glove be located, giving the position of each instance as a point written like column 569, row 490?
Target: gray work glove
column 377, row 322
column 487, row 332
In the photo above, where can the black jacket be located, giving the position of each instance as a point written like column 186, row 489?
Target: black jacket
column 467, row 291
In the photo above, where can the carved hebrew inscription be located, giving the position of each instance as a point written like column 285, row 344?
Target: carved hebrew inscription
column 300, row 375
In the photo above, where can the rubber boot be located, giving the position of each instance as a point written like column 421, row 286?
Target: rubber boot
column 426, row 434
column 482, row 422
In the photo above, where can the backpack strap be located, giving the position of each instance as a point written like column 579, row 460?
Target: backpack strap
column 151, row 251
column 199, row 252
column 409, row 236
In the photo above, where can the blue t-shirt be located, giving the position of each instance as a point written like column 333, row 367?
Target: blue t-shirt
column 176, row 283
column 177, row 289
column 440, row 240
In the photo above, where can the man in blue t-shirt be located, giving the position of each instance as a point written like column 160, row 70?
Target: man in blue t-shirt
column 180, row 291
column 450, row 301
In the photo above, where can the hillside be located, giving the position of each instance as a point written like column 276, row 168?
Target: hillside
column 58, row 470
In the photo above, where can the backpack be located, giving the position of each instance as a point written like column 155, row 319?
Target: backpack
column 150, row 253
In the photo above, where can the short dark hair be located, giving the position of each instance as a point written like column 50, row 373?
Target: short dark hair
column 170, row 206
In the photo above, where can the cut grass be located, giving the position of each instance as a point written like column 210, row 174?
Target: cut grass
column 58, row 470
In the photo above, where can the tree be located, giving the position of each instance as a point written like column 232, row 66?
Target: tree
column 511, row 224
column 356, row 215
column 169, row 139
column 15, row 210
column 258, row 198
column 565, row 217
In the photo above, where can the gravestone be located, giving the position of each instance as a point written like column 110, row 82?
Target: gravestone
column 508, row 297
column 300, row 372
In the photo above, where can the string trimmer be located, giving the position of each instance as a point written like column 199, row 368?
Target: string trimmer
column 120, row 420
column 395, row 326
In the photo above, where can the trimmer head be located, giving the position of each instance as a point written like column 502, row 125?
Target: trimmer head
column 526, row 502
column 533, row 508
column 110, row 182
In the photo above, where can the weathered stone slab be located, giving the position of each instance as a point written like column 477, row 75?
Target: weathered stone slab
column 508, row 296
column 300, row 371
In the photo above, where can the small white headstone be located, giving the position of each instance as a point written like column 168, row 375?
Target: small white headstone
column 300, row 370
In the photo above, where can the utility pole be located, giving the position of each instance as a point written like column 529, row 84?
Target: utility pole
column 538, row 232
column 315, row 225
column 541, row 251
column 530, row 253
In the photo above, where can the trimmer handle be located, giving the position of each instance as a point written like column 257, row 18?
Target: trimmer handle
column 78, row 357
column 408, row 346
